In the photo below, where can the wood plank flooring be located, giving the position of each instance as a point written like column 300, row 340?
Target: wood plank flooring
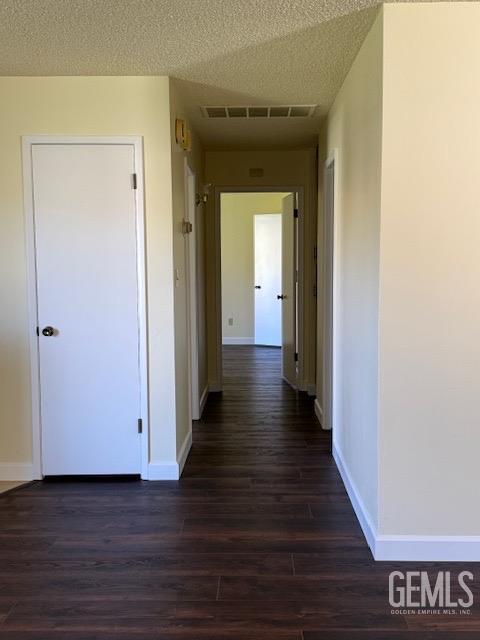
column 257, row 540
column 8, row 485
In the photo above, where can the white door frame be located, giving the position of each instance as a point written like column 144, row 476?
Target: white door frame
column 299, row 192
column 192, row 293
column 27, row 143
column 334, row 239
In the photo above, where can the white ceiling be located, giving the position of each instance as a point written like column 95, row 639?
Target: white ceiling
column 222, row 51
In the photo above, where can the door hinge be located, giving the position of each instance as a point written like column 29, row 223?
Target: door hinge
column 295, row 357
column 140, row 425
column 187, row 227
column 134, row 180
column 295, row 213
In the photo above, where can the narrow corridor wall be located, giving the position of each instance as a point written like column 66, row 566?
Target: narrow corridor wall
column 354, row 132
column 194, row 157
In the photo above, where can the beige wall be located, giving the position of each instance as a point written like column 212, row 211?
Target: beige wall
column 281, row 169
column 430, row 271
column 195, row 162
column 84, row 106
column 354, row 130
column 238, row 267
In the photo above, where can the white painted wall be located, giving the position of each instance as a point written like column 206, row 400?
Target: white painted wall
column 354, row 130
column 430, row 271
column 85, row 106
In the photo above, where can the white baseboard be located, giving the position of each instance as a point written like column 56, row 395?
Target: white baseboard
column 163, row 471
column 307, row 387
column 183, row 453
column 171, row 470
column 407, row 548
column 295, row 387
column 318, row 412
column 238, row 341
column 16, row 471
column 357, row 502
column 428, row 548
column 268, row 346
column 203, row 400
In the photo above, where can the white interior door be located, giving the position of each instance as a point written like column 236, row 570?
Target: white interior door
column 268, row 278
column 328, row 251
column 288, row 293
column 86, row 261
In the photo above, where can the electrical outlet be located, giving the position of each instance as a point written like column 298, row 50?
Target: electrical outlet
column 230, row 322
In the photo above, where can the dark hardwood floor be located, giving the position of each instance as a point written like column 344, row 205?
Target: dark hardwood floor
column 257, row 541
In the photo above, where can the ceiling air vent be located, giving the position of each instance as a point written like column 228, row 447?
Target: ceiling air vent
column 261, row 111
column 237, row 112
column 215, row 112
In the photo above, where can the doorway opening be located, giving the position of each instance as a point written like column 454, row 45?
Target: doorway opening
column 259, row 273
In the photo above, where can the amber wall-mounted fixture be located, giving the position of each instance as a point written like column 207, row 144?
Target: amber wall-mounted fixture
column 182, row 134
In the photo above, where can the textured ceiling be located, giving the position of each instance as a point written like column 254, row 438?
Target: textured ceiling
column 222, row 51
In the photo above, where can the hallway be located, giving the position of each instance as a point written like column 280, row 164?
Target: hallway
column 257, row 541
